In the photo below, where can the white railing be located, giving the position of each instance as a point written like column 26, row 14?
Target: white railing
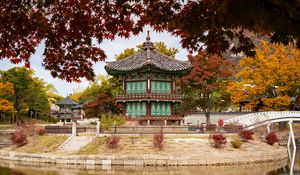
column 254, row 120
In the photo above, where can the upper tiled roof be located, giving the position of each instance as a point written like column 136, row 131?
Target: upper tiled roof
column 67, row 101
column 148, row 55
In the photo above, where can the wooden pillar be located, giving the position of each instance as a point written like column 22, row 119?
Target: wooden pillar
column 172, row 109
column 124, row 108
column 124, row 86
column 149, row 108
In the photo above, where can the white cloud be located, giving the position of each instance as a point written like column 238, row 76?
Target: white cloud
column 111, row 48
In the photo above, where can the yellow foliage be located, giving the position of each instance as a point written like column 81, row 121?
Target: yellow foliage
column 6, row 106
column 271, row 76
column 6, row 93
column 278, row 103
column 6, row 89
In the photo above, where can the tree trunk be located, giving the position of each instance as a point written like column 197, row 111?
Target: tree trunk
column 207, row 115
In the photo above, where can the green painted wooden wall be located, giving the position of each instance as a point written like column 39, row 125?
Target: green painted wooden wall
column 134, row 109
column 160, row 109
column 161, row 87
column 136, row 87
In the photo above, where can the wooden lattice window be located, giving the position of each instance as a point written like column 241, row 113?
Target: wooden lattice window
column 160, row 109
column 161, row 87
column 134, row 109
column 136, row 87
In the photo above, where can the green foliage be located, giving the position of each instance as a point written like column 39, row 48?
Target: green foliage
column 87, row 94
column 109, row 119
column 236, row 143
column 50, row 119
column 104, row 83
column 52, row 93
column 126, row 53
column 30, row 93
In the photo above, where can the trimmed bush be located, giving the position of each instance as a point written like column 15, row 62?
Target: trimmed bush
column 246, row 135
column 19, row 138
column 40, row 131
column 158, row 140
column 236, row 143
column 218, row 140
column 271, row 138
column 112, row 142
column 221, row 122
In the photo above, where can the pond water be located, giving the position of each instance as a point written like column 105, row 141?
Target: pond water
column 26, row 168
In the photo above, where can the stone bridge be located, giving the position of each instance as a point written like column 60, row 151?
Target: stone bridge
column 253, row 120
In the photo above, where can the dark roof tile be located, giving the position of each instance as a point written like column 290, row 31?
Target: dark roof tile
column 147, row 55
column 67, row 101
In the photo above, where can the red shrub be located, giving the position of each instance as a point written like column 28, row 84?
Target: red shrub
column 246, row 135
column 29, row 128
column 112, row 142
column 271, row 138
column 220, row 122
column 40, row 131
column 158, row 140
column 219, row 140
column 19, row 138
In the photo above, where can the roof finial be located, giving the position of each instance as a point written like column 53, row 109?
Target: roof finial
column 148, row 36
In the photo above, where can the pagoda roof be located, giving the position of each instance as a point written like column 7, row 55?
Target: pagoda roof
column 148, row 55
column 67, row 101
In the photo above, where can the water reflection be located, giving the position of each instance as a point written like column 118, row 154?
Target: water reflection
column 21, row 168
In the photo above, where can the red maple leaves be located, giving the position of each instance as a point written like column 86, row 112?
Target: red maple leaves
column 71, row 27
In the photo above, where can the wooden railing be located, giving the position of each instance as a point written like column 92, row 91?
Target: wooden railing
column 142, row 118
column 148, row 96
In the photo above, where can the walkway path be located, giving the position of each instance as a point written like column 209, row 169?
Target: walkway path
column 74, row 143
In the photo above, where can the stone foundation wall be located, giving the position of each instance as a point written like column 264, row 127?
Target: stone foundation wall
column 148, row 159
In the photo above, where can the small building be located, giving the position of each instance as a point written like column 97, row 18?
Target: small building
column 149, row 89
column 69, row 110
column 54, row 110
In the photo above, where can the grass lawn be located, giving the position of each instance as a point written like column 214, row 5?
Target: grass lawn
column 5, row 127
column 41, row 144
column 144, row 144
column 93, row 147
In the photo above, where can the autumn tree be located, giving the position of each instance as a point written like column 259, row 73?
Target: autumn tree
column 6, row 100
column 98, row 97
column 269, row 79
column 52, row 93
column 103, row 103
column 30, row 93
column 203, row 86
column 87, row 94
column 71, row 28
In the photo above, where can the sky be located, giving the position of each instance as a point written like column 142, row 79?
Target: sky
column 111, row 49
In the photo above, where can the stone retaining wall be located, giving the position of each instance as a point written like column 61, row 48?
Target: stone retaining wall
column 148, row 159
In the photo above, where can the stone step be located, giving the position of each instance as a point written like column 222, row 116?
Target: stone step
column 75, row 143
